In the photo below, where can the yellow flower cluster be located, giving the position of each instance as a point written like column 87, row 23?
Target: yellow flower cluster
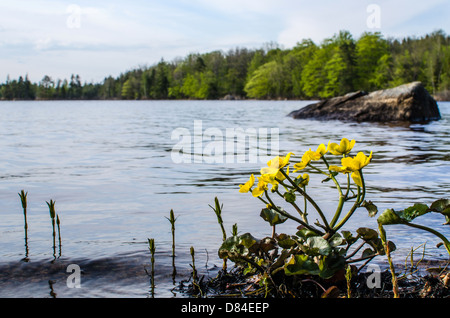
column 269, row 175
column 354, row 166
column 272, row 174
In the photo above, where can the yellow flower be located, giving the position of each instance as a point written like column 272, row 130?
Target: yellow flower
column 321, row 150
column 275, row 164
column 356, row 163
column 274, row 178
column 344, row 147
column 309, row 156
column 262, row 186
column 306, row 159
column 244, row 188
column 340, row 169
column 356, row 176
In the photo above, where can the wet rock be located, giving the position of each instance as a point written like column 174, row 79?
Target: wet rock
column 409, row 102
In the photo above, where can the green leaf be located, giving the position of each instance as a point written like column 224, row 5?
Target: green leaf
column 382, row 251
column 280, row 261
column 286, row 241
column 367, row 234
column 272, row 216
column 246, row 240
column 414, row 211
column 371, row 208
column 301, row 264
column 329, row 265
column 389, row 216
column 231, row 249
column 392, row 246
column 265, row 245
column 368, row 252
column 442, row 206
column 305, row 233
column 348, row 237
column 336, row 240
column 316, row 245
column 236, row 246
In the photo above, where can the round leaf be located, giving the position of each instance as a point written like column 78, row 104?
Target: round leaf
column 317, row 245
column 272, row 216
column 367, row 234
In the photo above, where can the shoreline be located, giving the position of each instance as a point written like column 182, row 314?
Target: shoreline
column 169, row 99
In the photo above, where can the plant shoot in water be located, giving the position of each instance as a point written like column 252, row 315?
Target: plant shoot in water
column 51, row 206
column 152, row 248
column 172, row 219
column 23, row 199
column 58, row 224
column 194, row 271
column 218, row 210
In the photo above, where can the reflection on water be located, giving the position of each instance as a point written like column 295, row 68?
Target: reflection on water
column 108, row 167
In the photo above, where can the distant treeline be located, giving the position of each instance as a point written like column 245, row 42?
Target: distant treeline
column 336, row 66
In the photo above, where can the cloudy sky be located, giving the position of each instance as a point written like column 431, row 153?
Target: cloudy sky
column 96, row 39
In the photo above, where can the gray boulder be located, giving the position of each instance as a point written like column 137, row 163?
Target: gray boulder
column 409, row 102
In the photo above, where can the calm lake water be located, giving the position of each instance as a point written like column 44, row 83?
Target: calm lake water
column 108, row 165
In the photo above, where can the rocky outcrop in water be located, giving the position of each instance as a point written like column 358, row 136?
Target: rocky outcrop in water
column 409, row 102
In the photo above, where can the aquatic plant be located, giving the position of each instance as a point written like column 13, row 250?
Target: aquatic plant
column 391, row 264
column 51, row 207
column 194, row 270
column 218, row 211
column 58, row 224
column 348, row 278
column 172, row 219
column 317, row 249
column 23, row 199
column 152, row 248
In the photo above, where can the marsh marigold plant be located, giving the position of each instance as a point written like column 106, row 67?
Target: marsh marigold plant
column 316, row 248
column 322, row 248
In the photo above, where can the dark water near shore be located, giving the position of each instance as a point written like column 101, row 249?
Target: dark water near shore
column 108, row 166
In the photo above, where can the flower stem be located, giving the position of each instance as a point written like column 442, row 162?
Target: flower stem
column 284, row 213
column 359, row 199
column 425, row 228
column 310, row 200
column 302, row 214
column 350, row 212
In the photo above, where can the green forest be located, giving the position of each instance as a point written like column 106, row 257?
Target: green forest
column 338, row 65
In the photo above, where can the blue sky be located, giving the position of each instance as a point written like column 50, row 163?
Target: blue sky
column 96, row 39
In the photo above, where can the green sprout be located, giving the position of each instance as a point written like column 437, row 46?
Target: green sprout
column 23, row 199
column 151, row 245
column 51, row 206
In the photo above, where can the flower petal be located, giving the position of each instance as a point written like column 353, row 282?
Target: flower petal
column 356, row 176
